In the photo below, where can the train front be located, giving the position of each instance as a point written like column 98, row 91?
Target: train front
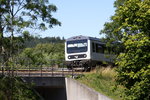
column 77, row 52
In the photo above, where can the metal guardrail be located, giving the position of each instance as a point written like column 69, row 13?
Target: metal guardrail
column 40, row 72
column 55, row 68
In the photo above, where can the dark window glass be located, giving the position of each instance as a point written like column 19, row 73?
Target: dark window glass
column 99, row 48
column 77, row 46
column 93, row 47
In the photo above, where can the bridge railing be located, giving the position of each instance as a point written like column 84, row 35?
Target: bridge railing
column 38, row 69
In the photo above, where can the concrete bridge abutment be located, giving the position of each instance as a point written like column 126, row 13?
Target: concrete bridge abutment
column 61, row 88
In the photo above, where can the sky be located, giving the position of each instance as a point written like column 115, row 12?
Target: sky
column 80, row 17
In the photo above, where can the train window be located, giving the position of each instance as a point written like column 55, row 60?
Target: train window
column 93, row 47
column 82, row 44
column 77, row 46
column 99, row 48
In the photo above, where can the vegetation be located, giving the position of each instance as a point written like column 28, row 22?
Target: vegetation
column 18, row 16
column 47, row 54
column 102, row 79
column 128, row 32
column 130, row 25
column 33, row 41
column 12, row 88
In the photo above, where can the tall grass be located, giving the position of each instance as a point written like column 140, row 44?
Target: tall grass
column 102, row 79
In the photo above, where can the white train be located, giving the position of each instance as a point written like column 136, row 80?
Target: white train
column 85, row 52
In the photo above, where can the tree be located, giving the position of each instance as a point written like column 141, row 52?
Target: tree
column 45, row 54
column 110, row 30
column 113, row 34
column 12, row 88
column 18, row 16
column 133, row 21
column 33, row 41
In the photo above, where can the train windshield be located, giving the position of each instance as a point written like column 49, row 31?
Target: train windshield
column 76, row 46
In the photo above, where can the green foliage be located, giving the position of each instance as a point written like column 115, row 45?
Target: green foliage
column 27, row 41
column 110, row 30
column 103, row 81
column 7, row 48
column 130, row 25
column 18, row 16
column 44, row 54
column 33, row 41
column 112, row 37
column 12, row 88
column 134, row 64
column 134, row 67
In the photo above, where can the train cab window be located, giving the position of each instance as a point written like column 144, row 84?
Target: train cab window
column 77, row 46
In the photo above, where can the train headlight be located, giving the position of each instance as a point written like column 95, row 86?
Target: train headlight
column 69, row 57
column 85, row 56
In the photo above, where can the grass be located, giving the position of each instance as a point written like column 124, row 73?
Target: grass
column 102, row 79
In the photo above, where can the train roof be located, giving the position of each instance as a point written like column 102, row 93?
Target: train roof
column 80, row 37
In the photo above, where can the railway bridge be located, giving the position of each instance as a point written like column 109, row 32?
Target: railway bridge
column 56, row 84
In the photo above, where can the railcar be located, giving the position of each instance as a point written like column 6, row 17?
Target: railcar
column 85, row 52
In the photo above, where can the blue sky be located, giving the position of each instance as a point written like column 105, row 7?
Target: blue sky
column 80, row 17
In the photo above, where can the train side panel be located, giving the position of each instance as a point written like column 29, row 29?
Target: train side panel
column 97, row 52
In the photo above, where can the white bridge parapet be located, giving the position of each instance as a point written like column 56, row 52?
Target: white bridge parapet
column 78, row 91
column 61, row 88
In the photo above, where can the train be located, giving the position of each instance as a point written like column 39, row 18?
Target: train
column 85, row 52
